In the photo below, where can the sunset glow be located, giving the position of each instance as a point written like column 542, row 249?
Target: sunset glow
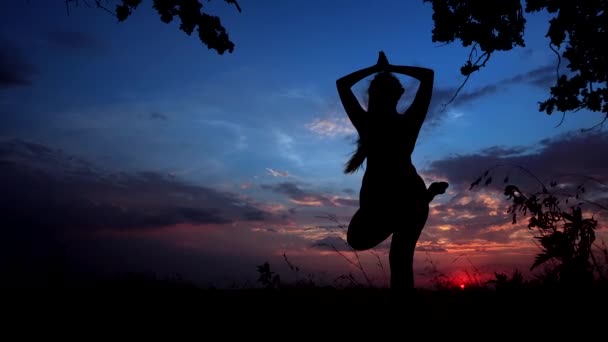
column 132, row 147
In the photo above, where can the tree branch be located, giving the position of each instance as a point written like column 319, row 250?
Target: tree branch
column 473, row 50
column 99, row 5
column 475, row 67
column 562, row 120
column 67, row 6
column 584, row 200
column 524, row 169
column 598, row 125
column 487, row 55
column 559, row 62
column 456, row 93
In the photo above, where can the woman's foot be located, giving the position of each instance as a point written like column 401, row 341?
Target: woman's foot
column 435, row 189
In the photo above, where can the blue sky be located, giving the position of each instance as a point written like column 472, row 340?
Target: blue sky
column 263, row 123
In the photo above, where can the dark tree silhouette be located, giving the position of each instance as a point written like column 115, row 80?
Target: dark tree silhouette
column 555, row 217
column 189, row 12
column 394, row 198
column 578, row 33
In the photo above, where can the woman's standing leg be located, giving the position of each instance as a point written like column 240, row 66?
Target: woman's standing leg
column 403, row 245
column 403, row 242
column 401, row 259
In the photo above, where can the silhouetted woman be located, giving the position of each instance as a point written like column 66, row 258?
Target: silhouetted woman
column 393, row 198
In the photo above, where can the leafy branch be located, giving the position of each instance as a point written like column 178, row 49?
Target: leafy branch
column 576, row 32
column 190, row 13
column 564, row 235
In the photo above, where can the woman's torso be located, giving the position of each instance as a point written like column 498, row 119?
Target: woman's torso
column 389, row 172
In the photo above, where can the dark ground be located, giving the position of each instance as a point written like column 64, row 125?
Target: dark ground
column 146, row 307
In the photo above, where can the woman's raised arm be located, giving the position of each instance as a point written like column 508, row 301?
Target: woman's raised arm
column 349, row 101
column 420, row 105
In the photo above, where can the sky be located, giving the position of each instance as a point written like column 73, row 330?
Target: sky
column 132, row 147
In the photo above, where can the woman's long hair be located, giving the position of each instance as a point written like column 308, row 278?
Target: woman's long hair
column 382, row 83
column 357, row 158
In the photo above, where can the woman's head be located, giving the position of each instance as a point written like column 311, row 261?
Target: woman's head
column 385, row 90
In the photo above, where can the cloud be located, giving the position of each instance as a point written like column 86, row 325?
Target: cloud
column 302, row 93
column 479, row 217
column 442, row 95
column 469, row 217
column 306, row 197
column 331, row 127
column 559, row 158
column 285, row 145
column 49, row 190
column 430, row 248
column 240, row 139
column 15, row 69
column 289, row 189
column 158, row 116
column 110, row 223
column 332, row 243
column 276, row 173
column 72, row 40
column 346, row 202
column 543, row 76
column 349, row 191
column 503, row 151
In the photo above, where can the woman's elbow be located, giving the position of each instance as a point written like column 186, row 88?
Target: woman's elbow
column 341, row 83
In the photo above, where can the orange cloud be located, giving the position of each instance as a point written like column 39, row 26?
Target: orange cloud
column 307, row 201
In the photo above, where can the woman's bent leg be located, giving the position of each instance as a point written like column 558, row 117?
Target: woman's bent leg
column 367, row 230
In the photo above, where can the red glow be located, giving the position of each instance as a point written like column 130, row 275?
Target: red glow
column 462, row 286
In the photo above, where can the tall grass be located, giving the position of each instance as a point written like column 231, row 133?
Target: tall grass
column 355, row 260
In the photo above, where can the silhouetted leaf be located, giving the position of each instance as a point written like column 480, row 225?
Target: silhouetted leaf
column 488, row 181
column 190, row 13
column 540, row 259
column 533, row 222
column 124, row 10
column 476, row 182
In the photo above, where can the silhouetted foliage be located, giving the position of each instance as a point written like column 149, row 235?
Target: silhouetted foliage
column 564, row 234
column 189, row 12
column 503, row 283
column 355, row 261
column 268, row 278
column 438, row 279
column 493, row 26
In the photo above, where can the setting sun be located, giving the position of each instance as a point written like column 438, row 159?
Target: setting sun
column 462, row 286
